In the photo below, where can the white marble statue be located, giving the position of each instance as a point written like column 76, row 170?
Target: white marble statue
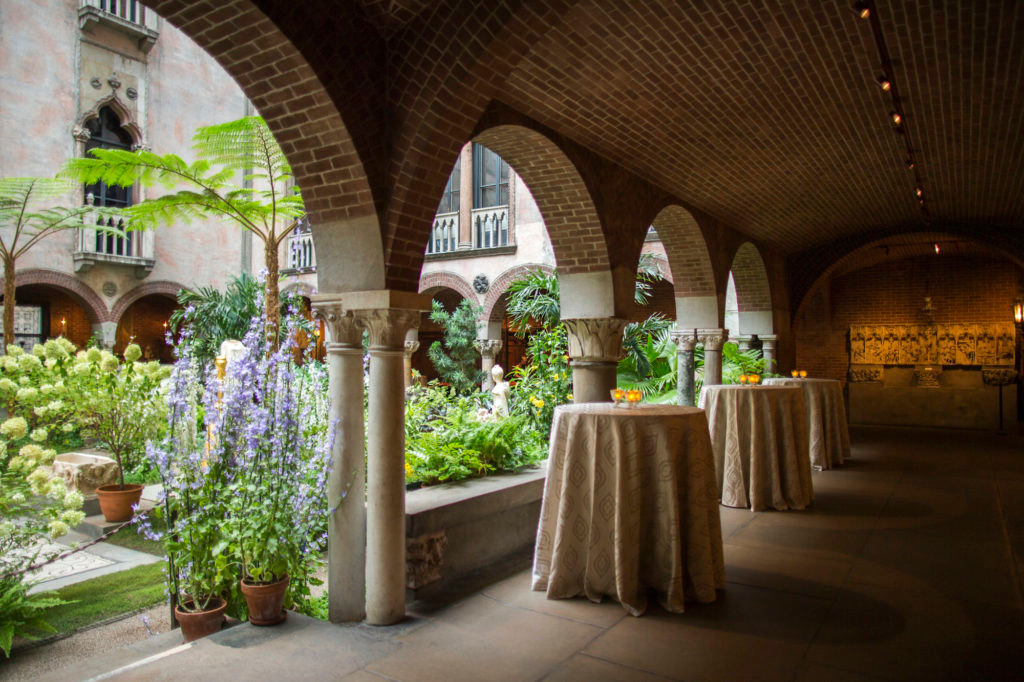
column 500, row 391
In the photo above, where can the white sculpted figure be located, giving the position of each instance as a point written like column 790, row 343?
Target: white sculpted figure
column 500, row 391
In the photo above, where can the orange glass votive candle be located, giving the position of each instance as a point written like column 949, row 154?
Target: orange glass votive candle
column 795, row 373
column 803, row 374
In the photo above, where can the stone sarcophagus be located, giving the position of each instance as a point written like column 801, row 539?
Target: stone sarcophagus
column 85, row 472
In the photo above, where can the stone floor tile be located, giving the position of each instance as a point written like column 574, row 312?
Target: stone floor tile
column 903, row 635
column 590, row 669
column 815, row 672
column 822, row 542
column 748, row 634
column 516, row 592
column 796, row 571
column 482, row 639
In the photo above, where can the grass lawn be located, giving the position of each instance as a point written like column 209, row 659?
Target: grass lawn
column 128, row 537
column 107, row 596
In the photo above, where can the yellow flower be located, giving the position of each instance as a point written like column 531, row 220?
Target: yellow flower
column 540, row 404
column 569, row 397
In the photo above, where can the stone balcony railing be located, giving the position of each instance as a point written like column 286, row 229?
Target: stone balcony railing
column 301, row 257
column 444, row 235
column 134, row 249
column 490, row 227
column 127, row 16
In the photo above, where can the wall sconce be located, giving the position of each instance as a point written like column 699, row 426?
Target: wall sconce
column 884, row 83
column 1018, row 309
column 862, row 9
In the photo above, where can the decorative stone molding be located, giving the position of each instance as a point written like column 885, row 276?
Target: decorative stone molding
column 411, row 347
column 685, row 339
column 595, row 339
column 745, row 342
column 424, row 556
column 481, row 284
column 998, row 376
column 712, row 339
column 488, row 348
column 767, row 341
column 387, row 326
column 341, row 327
column 865, row 374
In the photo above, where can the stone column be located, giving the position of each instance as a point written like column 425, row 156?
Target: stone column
column 595, row 346
column 686, row 342
column 745, row 342
column 712, row 340
column 768, row 352
column 411, row 346
column 387, row 316
column 489, row 349
column 346, row 528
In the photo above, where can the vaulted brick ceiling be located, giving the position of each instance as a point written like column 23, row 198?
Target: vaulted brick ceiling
column 768, row 116
column 765, row 116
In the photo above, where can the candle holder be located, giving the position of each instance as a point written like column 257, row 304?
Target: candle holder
column 617, row 395
column 795, row 373
column 754, row 379
column 743, row 379
column 633, row 397
column 803, row 374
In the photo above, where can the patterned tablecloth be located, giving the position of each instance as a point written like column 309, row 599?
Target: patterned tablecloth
column 826, row 419
column 630, row 503
column 759, row 435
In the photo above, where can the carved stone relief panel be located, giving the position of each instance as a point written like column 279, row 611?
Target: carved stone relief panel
column 950, row 344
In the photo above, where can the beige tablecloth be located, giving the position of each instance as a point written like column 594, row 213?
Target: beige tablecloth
column 826, row 419
column 630, row 503
column 759, row 434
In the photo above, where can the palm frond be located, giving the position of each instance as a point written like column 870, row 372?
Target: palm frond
column 534, row 297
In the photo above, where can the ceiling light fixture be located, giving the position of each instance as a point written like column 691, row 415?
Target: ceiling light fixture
column 896, row 118
column 910, row 164
column 862, row 9
column 884, row 83
column 919, row 191
column 936, row 249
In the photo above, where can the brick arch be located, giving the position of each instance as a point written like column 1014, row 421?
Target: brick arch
column 90, row 301
column 433, row 281
column 562, row 197
column 501, row 283
column 753, row 290
column 159, row 288
column 332, row 143
column 687, row 252
column 906, row 245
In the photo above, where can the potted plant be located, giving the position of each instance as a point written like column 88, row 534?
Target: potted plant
column 189, row 517
column 120, row 404
column 268, row 423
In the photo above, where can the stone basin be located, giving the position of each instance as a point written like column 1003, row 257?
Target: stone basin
column 85, row 471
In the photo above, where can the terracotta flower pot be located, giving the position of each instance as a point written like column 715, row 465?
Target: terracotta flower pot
column 196, row 624
column 266, row 602
column 116, row 503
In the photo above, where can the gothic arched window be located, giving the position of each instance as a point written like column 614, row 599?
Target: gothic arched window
column 106, row 133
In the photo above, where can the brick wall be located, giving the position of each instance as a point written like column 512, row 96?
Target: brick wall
column 965, row 290
column 60, row 306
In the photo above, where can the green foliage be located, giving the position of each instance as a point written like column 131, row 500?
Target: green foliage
column 21, row 613
column 458, row 361
column 647, row 273
column 544, row 383
column 120, row 404
column 657, row 375
column 316, row 607
column 450, row 438
column 40, row 387
column 216, row 316
column 534, row 299
column 27, row 215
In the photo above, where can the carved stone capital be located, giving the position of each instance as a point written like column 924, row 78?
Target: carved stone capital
column 712, row 339
column 685, row 339
column 81, row 134
column 595, row 339
column 998, row 376
column 865, row 374
column 411, row 347
column 488, row 347
column 744, row 342
column 767, row 341
column 341, row 327
column 387, row 326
